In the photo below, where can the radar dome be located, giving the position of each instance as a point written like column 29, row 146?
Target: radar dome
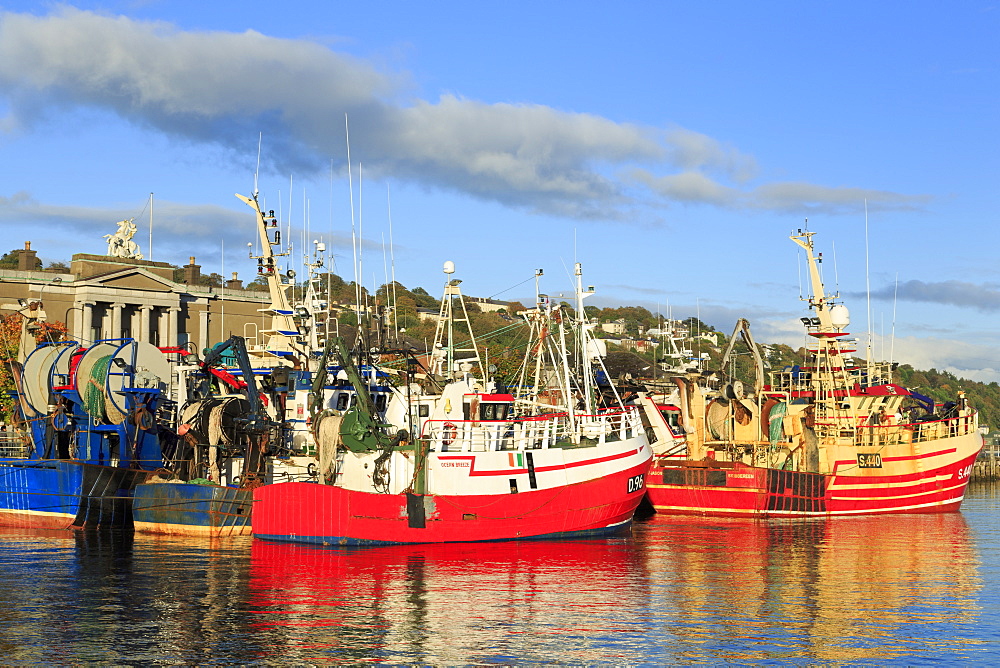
column 840, row 317
column 449, row 267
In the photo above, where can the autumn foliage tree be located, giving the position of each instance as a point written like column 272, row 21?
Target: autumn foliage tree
column 10, row 338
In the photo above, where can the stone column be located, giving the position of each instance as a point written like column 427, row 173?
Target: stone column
column 144, row 313
column 116, row 320
column 86, row 321
column 134, row 322
column 203, row 329
column 172, row 313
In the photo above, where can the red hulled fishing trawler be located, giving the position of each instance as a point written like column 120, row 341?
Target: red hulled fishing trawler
column 832, row 436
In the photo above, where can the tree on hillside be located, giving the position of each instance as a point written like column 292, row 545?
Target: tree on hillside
column 258, row 284
column 625, row 362
column 695, row 325
column 406, row 311
column 423, row 299
column 213, row 280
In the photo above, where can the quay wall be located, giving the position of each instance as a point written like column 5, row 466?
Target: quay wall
column 987, row 466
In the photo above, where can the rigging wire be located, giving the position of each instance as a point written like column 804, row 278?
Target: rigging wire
column 511, row 287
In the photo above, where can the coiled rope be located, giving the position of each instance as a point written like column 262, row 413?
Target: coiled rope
column 97, row 399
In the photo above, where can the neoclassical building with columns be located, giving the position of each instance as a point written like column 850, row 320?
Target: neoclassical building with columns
column 104, row 297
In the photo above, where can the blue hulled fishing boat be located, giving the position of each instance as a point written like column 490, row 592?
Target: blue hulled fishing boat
column 86, row 433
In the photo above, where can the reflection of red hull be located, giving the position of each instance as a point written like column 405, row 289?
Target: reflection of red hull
column 446, row 604
column 329, row 515
column 275, row 564
column 36, row 533
column 746, row 490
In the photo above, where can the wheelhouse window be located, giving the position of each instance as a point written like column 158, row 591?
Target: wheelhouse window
column 490, row 411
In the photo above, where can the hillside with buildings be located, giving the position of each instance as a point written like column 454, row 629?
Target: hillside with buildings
column 100, row 297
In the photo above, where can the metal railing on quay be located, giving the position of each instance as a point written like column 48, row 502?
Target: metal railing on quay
column 14, row 445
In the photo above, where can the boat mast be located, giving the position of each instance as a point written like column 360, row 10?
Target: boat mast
column 283, row 337
column 830, row 371
column 444, row 355
column 585, row 345
column 567, row 392
column 818, row 300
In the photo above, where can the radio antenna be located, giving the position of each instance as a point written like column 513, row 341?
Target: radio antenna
column 392, row 257
column 260, row 140
column 868, row 288
column 354, row 237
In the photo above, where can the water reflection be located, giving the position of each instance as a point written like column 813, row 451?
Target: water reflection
column 870, row 590
column 837, row 590
column 71, row 597
column 534, row 601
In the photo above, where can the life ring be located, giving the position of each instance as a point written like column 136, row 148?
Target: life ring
column 448, row 433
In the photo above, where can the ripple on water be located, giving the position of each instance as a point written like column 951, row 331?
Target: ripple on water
column 904, row 589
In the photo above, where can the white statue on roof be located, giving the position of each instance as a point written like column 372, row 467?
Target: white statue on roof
column 120, row 243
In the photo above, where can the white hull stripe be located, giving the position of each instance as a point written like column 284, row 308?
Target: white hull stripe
column 896, row 496
column 944, row 477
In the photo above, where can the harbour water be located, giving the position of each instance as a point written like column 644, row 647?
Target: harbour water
column 906, row 590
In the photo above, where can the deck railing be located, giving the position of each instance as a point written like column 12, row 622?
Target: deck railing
column 530, row 433
column 801, row 379
column 916, row 432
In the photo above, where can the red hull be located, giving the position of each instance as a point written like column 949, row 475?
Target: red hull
column 748, row 491
column 329, row 515
column 27, row 519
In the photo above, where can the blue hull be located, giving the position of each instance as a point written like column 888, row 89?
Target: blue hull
column 193, row 510
column 60, row 494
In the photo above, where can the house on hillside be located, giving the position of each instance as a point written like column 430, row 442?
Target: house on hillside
column 615, row 327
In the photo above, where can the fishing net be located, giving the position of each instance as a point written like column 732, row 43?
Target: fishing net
column 775, row 422
column 327, row 441
column 97, row 397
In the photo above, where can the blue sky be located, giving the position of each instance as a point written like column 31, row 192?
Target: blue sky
column 670, row 147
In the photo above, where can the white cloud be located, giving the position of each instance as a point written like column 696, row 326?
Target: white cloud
column 966, row 360
column 807, row 197
column 693, row 187
column 975, row 361
column 689, row 188
column 692, row 150
column 221, row 88
column 178, row 228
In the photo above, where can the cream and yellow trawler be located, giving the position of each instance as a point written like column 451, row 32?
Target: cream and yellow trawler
column 832, row 437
